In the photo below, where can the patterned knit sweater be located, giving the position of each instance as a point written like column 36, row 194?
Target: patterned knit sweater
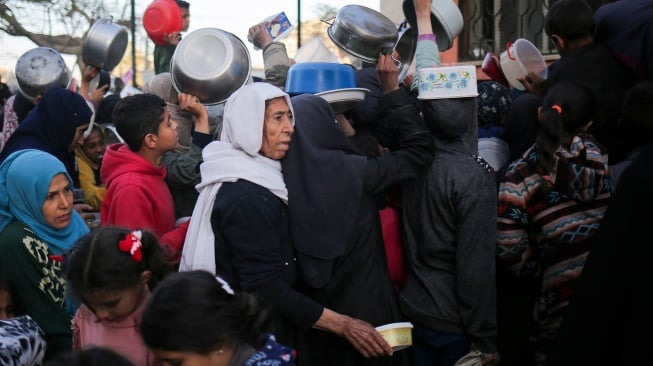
column 545, row 221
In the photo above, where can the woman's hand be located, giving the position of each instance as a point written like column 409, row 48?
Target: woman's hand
column 360, row 334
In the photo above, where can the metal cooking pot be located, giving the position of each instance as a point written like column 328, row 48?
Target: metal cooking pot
column 211, row 64
column 362, row 32
column 105, row 44
column 39, row 69
column 446, row 20
column 406, row 47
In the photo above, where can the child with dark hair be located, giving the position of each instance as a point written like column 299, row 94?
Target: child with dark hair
column 94, row 356
column 112, row 271
column 22, row 341
column 196, row 317
column 550, row 204
column 89, row 155
column 570, row 26
column 137, row 195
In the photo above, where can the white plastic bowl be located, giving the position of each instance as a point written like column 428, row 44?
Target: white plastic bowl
column 446, row 20
column 398, row 335
column 521, row 58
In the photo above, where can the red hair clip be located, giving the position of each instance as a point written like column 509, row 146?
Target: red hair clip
column 132, row 244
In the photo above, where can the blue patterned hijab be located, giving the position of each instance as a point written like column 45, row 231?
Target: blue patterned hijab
column 25, row 178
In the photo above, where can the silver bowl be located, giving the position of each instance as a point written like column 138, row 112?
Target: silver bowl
column 39, row 69
column 211, row 64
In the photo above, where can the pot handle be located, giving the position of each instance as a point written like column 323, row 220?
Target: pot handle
column 327, row 20
column 508, row 51
column 395, row 60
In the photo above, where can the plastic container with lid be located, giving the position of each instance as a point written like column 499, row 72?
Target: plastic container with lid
column 519, row 59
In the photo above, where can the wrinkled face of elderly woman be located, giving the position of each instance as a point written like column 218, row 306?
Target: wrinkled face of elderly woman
column 277, row 128
column 58, row 206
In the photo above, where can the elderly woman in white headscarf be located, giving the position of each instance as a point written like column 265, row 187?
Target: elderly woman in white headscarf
column 194, row 131
column 239, row 228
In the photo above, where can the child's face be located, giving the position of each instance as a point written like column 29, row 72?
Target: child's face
column 167, row 138
column 6, row 305
column 94, row 146
column 115, row 305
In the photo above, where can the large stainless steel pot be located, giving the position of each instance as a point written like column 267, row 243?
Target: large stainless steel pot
column 39, row 69
column 105, row 44
column 362, row 32
column 211, row 64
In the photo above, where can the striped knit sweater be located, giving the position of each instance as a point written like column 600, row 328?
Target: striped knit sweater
column 545, row 221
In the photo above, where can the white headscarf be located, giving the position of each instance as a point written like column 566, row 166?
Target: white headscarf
column 235, row 157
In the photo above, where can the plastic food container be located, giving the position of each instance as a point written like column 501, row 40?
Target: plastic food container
column 447, row 82
column 519, row 59
column 398, row 335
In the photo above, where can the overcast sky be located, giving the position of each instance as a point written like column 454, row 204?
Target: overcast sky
column 233, row 16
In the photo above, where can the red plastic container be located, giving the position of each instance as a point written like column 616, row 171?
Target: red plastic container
column 161, row 17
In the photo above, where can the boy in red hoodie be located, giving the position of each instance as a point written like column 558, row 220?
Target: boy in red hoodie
column 137, row 195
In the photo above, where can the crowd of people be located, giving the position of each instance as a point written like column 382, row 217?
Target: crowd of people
column 281, row 231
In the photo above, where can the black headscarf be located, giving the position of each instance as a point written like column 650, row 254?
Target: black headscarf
column 521, row 124
column 323, row 172
column 51, row 126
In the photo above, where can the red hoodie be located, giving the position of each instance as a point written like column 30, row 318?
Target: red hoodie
column 138, row 198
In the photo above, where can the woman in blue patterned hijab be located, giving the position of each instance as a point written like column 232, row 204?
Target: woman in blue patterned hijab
column 37, row 225
column 25, row 178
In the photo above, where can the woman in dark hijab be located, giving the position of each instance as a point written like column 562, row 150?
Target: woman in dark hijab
column 53, row 126
column 335, row 223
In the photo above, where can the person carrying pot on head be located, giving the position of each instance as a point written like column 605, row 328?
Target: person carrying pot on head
column 163, row 53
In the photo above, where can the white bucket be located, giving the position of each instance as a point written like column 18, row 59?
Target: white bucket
column 315, row 51
column 521, row 58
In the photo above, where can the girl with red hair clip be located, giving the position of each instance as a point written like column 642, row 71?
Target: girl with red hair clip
column 112, row 271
